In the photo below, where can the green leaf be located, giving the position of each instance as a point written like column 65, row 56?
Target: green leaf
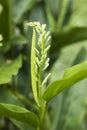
column 71, row 76
column 21, row 125
column 21, row 7
column 53, row 6
column 59, row 103
column 79, row 14
column 50, row 18
column 19, row 114
column 68, row 36
column 65, row 59
column 70, row 116
column 8, row 97
column 19, row 39
column 33, row 75
column 62, row 13
column 9, row 68
column 76, row 24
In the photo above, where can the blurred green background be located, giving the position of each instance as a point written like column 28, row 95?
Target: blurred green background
column 67, row 22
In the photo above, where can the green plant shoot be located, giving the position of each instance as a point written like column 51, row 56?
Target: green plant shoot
column 39, row 63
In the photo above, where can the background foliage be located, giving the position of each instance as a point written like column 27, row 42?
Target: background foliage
column 67, row 21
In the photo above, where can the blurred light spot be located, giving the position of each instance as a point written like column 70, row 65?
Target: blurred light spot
column 1, row 8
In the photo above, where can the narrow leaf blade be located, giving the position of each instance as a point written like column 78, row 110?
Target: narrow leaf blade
column 71, row 76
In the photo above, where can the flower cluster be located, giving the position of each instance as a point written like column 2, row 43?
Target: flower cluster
column 41, row 50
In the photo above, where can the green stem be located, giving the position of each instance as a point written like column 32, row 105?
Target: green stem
column 42, row 107
column 42, row 111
